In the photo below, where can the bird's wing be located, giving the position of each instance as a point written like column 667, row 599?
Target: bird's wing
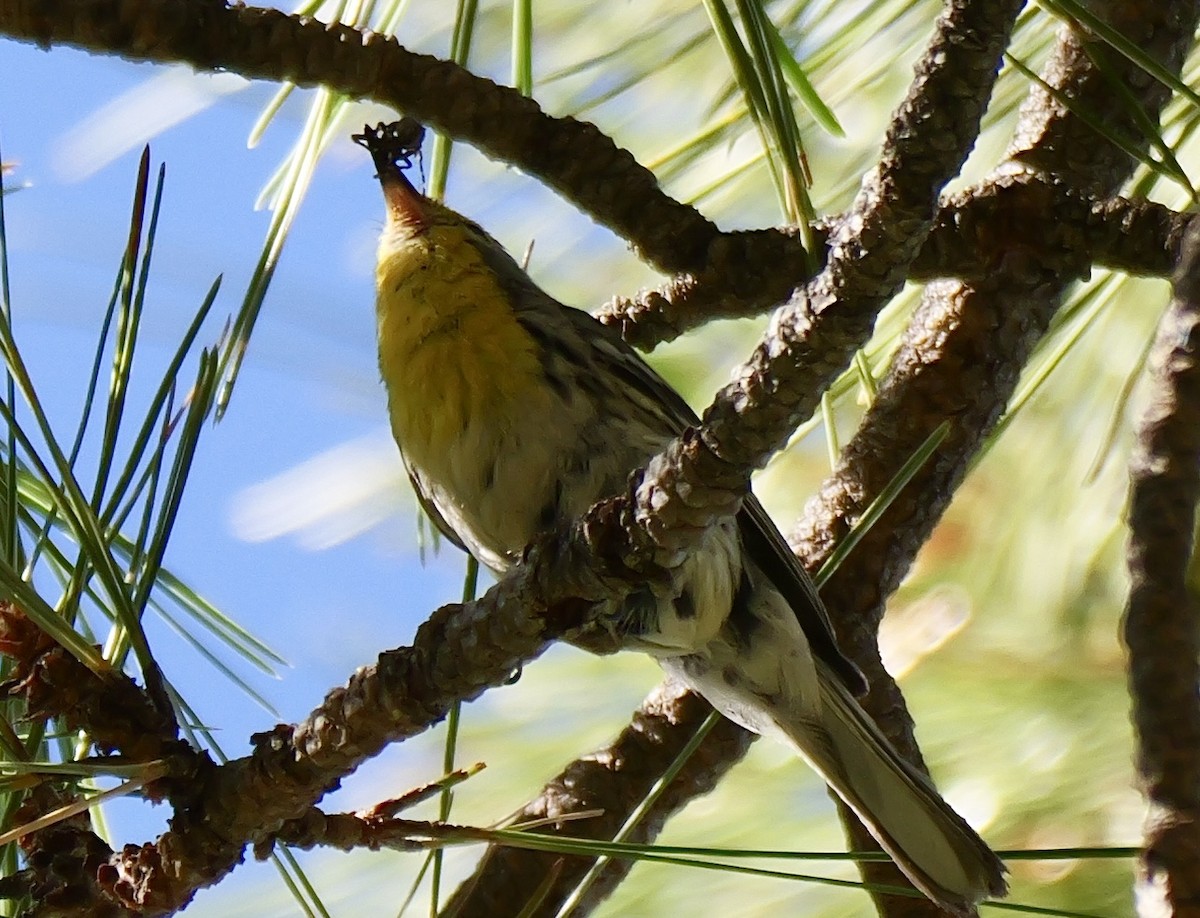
column 761, row 539
column 662, row 406
column 775, row 558
column 430, row 508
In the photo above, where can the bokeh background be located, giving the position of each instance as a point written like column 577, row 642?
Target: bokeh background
column 299, row 524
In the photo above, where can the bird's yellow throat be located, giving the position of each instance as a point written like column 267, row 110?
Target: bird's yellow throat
column 450, row 348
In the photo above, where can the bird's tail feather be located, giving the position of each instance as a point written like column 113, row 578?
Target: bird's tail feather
column 934, row 846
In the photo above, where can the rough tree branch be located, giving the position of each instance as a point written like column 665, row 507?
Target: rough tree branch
column 718, row 274
column 811, row 340
column 573, row 157
column 863, row 272
column 1137, row 237
column 1162, row 626
column 292, row 767
column 965, row 348
column 1166, row 34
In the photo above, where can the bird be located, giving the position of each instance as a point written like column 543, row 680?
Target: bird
column 514, row 412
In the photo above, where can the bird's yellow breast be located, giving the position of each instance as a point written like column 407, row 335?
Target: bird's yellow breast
column 455, row 361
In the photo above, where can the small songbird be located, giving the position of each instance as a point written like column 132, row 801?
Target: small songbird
column 514, row 412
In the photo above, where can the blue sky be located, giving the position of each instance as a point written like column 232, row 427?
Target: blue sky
column 310, row 381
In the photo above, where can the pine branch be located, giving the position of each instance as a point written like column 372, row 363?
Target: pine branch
column 1162, row 627
column 573, row 157
column 646, row 533
column 878, row 566
column 614, row 779
column 965, row 348
column 721, row 274
column 814, row 337
column 1039, row 214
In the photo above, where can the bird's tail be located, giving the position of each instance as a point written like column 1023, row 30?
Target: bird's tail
column 932, row 844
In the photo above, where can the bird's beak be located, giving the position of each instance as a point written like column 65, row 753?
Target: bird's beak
column 405, row 205
column 392, row 148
